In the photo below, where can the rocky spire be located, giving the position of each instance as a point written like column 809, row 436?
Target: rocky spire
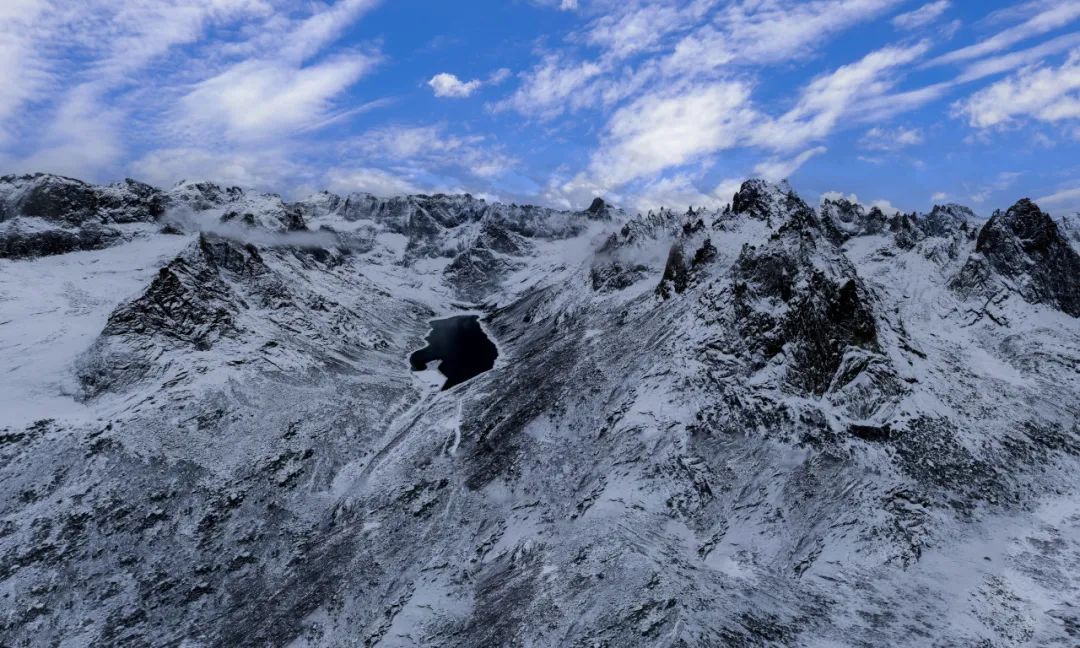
column 1023, row 250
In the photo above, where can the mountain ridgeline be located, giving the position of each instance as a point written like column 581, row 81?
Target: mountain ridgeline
column 763, row 425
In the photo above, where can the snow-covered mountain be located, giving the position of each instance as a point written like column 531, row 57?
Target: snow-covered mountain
column 768, row 425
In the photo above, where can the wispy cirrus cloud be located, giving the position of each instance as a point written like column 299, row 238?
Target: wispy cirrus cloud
column 924, row 15
column 433, row 147
column 886, row 139
column 830, row 97
column 673, row 76
column 166, row 67
column 1064, row 200
column 1048, row 94
column 770, row 32
column 660, row 131
column 266, row 99
column 780, row 169
column 1048, row 17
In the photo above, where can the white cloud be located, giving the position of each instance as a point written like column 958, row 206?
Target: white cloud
column 1041, row 93
column 639, row 28
column 551, row 87
column 369, row 180
column 939, row 197
column 884, row 205
column 775, row 170
column 98, row 71
column 432, row 148
column 23, row 70
column 1001, row 182
column 1018, row 59
column 445, row 84
column 684, row 123
column 266, row 169
column 884, row 139
column 922, row 16
column 568, row 5
column 1056, row 14
column 690, row 44
column 1064, row 200
column 322, row 28
column 81, row 139
column 113, row 39
column 753, row 31
column 839, row 195
column 677, row 192
column 830, row 97
column 258, row 100
column 659, row 131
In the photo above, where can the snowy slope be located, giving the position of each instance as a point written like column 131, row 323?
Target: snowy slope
column 767, row 425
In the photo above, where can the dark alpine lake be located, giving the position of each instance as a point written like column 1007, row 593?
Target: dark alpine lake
column 462, row 347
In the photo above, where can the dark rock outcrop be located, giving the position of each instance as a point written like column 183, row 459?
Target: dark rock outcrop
column 800, row 296
column 776, row 204
column 20, row 243
column 843, row 219
column 46, row 214
column 616, row 275
column 597, row 207
column 947, row 220
column 906, row 230
column 1023, row 250
column 676, row 273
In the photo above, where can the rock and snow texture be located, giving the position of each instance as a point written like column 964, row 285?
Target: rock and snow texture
column 768, row 425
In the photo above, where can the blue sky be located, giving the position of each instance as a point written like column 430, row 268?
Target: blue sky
column 903, row 103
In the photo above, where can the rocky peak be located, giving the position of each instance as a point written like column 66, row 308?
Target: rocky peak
column 202, row 195
column 764, row 200
column 906, row 230
column 53, row 198
column 1023, row 225
column 47, row 214
column 320, row 205
column 1023, row 250
column 946, row 220
column 599, row 209
column 844, row 219
column 875, row 222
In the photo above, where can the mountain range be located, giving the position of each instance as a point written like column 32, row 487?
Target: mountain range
column 770, row 424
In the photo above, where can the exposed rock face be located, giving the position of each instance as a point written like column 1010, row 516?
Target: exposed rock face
column 676, row 273
column 810, row 412
column 1024, row 251
column 286, row 219
column 777, row 205
column 21, row 240
column 799, row 295
column 1070, row 228
column 947, row 220
column 476, row 272
column 843, row 219
column 906, row 230
column 65, row 201
column 56, row 199
column 45, row 214
column 612, row 276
